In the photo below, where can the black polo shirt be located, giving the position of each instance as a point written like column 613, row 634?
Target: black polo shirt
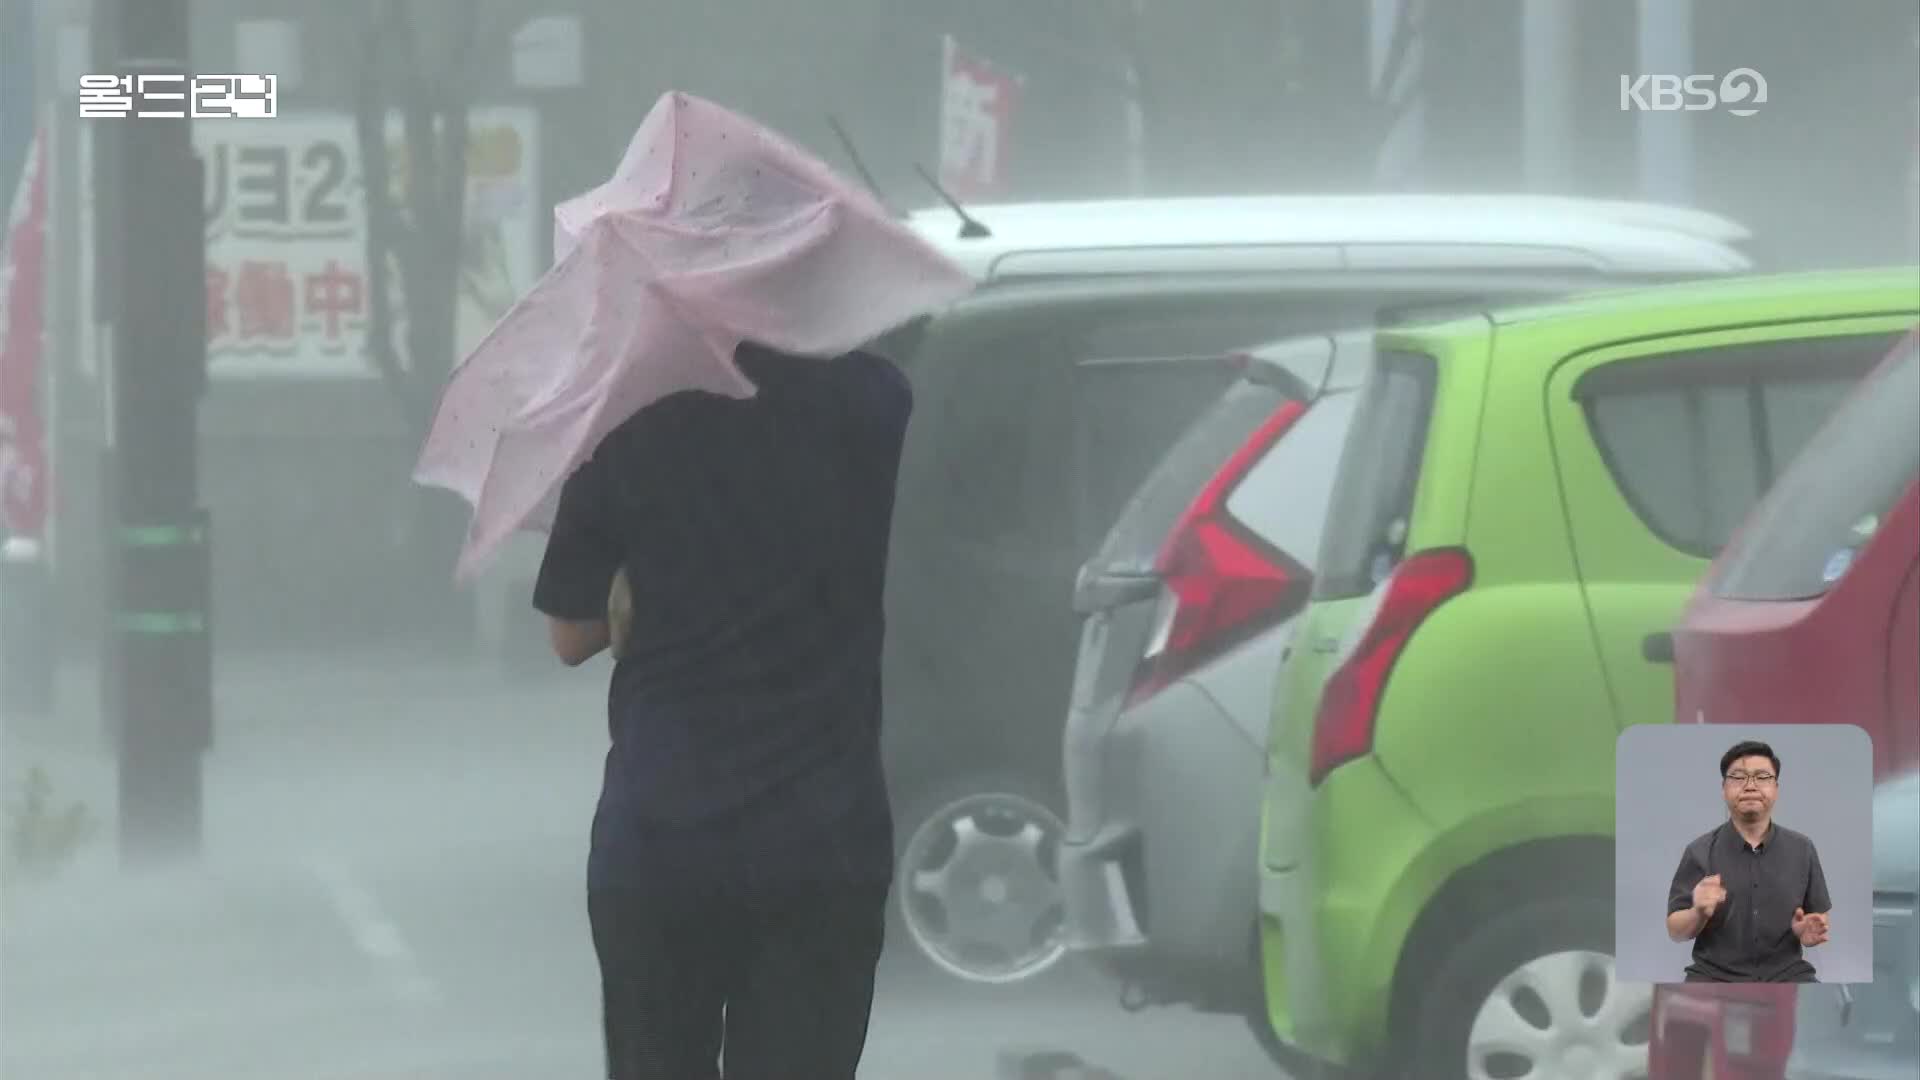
column 1750, row 937
column 745, row 716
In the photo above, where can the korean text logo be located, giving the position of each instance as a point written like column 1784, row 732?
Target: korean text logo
column 1741, row 92
column 203, row 97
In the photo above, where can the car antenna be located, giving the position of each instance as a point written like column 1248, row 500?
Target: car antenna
column 970, row 227
column 859, row 166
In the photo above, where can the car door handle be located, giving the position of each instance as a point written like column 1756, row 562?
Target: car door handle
column 1326, row 645
column 1657, row 648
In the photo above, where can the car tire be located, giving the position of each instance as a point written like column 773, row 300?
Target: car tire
column 975, row 858
column 1539, row 980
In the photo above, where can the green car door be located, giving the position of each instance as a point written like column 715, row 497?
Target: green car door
column 1663, row 447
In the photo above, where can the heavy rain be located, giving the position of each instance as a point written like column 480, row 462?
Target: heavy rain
column 1387, row 481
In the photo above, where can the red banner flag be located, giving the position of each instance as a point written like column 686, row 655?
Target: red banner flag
column 23, row 288
column 977, row 102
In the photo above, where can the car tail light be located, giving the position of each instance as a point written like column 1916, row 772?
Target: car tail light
column 1350, row 704
column 1222, row 582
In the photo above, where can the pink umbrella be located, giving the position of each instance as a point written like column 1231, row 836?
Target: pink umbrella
column 712, row 231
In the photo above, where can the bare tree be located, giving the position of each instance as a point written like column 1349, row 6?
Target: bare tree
column 414, row 243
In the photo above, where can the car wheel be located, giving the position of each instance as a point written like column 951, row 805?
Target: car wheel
column 975, row 887
column 1533, row 994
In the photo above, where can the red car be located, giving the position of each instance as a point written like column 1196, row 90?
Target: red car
column 1809, row 614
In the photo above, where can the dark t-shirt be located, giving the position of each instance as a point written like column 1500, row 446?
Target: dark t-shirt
column 745, row 714
column 1750, row 937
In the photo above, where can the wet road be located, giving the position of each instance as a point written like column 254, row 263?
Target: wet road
column 392, row 889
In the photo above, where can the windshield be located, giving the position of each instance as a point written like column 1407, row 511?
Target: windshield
column 1373, row 493
column 1829, row 503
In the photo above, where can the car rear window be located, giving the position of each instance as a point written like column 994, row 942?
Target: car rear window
column 1157, row 503
column 1831, row 499
column 1129, row 417
column 1693, row 439
column 1367, row 526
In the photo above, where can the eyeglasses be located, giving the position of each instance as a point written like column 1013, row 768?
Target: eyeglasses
column 1757, row 779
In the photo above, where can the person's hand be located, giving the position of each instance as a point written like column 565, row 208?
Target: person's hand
column 619, row 613
column 1810, row 929
column 1709, row 895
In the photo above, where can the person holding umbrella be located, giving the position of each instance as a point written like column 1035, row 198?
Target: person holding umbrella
column 685, row 404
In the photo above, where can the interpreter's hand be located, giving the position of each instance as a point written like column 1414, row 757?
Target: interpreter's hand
column 619, row 613
column 1709, row 895
column 1810, row 929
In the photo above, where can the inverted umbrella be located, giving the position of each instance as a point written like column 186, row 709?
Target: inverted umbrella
column 712, row 231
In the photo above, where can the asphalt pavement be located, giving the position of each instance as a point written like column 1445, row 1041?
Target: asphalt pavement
column 392, row 888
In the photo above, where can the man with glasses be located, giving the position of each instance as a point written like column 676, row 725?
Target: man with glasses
column 1750, row 894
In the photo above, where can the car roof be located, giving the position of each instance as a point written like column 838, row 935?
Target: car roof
column 1451, row 291
column 1682, row 306
column 1334, row 232
column 1900, row 285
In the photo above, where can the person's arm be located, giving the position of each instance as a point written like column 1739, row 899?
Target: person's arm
column 1685, row 925
column 1813, row 920
column 1818, row 902
column 619, row 614
column 578, row 569
column 1688, row 910
column 577, row 641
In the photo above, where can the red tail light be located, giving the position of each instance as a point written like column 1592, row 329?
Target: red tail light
column 1224, row 584
column 1350, row 704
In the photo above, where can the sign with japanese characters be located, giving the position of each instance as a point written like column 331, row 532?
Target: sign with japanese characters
column 286, row 247
column 286, row 228
column 977, row 101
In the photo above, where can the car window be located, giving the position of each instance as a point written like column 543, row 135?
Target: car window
column 1159, row 500
column 1366, row 530
column 1015, row 448
column 1694, row 439
column 988, row 436
column 1831, row 499
column 1129, row 417
column 1285, row 496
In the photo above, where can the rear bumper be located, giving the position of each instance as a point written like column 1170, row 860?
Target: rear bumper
column 1158, row 869
column 1335, row 908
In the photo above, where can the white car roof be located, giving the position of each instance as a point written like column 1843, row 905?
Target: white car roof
column 1333, row 232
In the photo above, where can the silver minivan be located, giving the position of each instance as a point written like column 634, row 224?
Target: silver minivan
column 1188, row 607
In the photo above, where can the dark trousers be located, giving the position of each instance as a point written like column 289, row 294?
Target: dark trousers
column 784, row 979
column 1697, row 977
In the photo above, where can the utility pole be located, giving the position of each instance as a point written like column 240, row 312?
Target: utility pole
column 152, row 265
column 1666, row 136
column 1550, row 60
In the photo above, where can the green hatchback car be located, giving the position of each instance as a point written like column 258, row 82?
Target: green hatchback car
column 1525, row 502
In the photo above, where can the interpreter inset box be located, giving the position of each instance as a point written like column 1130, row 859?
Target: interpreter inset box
column 1743, row 853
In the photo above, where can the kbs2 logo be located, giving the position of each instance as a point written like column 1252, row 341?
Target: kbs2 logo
column 1741, row 92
